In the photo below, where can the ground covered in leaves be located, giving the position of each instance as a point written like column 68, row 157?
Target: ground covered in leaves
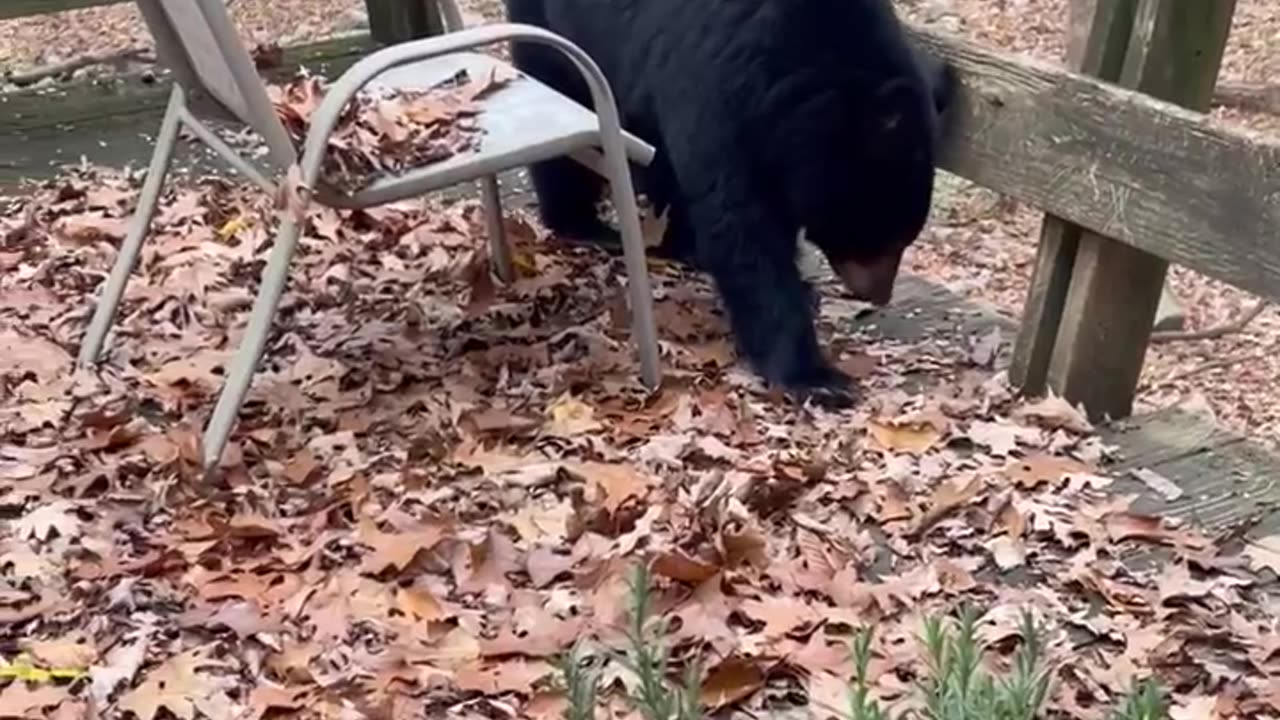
column 440, row 482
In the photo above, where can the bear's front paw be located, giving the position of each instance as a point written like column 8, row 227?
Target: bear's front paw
column 823, row 386
column 589, row 232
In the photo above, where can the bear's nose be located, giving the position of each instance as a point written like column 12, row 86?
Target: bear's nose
column 870, row 281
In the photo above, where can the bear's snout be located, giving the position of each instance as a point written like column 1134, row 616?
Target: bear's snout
column 870, row 281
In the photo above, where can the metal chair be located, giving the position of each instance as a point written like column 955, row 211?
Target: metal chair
column 522, row 123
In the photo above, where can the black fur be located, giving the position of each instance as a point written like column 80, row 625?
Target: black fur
column 768, row 116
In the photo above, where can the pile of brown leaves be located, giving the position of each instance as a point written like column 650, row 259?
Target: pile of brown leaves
column 386, row 131
column 439, row 483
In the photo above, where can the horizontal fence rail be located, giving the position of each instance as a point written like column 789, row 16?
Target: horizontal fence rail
column 1148, row 173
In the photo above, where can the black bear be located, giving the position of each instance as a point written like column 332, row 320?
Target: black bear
column 768, row 116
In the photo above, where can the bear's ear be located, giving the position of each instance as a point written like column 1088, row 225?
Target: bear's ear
column 943, row 80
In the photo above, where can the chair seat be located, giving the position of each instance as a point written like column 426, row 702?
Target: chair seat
column 521, row 123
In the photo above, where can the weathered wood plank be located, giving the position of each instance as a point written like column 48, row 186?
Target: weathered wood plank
column 1148, row 173
column 33, row 110
column 1097, row 38
column 110, row 122
column 397, row 21
column 1223, row 488
column 23, row 8
column 1173, row 54
column 1164, row 436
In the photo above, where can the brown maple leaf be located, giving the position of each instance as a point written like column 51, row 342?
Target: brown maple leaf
column 244, row 618
column 1264, row 553
column 1122, row 526
column 678, row 566
column 22, row 356
column 20, row 701
column 179, row 685
column 1042, row 468
column 732, row 680
column 492, row 678
column 396, row 551
column 478, row 567
column 267, row 700
column 946, row 499
column 915, row 433
column 615, row 483
column 59, row 518
column 1054, row 412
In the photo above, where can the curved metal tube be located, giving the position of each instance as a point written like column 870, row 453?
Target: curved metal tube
column 325, row 118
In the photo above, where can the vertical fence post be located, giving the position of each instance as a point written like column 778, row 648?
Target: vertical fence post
column 397, row 21
column 1174, row 53
column 1100, row 311
column 1097, row 37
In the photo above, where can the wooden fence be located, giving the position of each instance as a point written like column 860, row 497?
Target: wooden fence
column 1129, row 183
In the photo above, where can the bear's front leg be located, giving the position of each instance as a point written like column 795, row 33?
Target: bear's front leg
column 751, row 258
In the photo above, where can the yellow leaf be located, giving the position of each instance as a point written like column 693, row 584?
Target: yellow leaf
column 232, row 226
column 525, row 264
column 570, row 416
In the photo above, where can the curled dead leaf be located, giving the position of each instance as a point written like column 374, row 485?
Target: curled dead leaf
column 1054, row 412
column 1042, row 468
column 730, row 681
column 678, row 566
column 946, row 499
column 916, row 433
column 1122, row 526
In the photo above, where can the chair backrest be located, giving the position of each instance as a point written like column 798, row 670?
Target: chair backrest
column 199, row 44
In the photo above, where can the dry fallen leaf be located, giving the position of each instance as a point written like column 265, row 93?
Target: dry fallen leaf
column 56, row 519
column 1196, row 707
column 616, row 483
column 1007, row 552
column 729, row 682
column 1264, row 553
column 121, row 665
column 1054, row 412
column 179, row 686
column 949, row 497
column 397, row 550
column 20, row 701
column 492, row 678
column 1001, row 438
column 912, row 434
column 1040, row 468
column 1157, row 482
column 570, row 416
column 678, row 566
column 71, row 651
column 1131, row 526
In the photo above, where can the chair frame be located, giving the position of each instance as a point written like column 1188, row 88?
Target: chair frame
column 252, row 107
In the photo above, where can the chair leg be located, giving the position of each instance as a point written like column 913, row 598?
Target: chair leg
column 245, row 362
column 499, row 251
column 642, row 323
column 113, row 290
